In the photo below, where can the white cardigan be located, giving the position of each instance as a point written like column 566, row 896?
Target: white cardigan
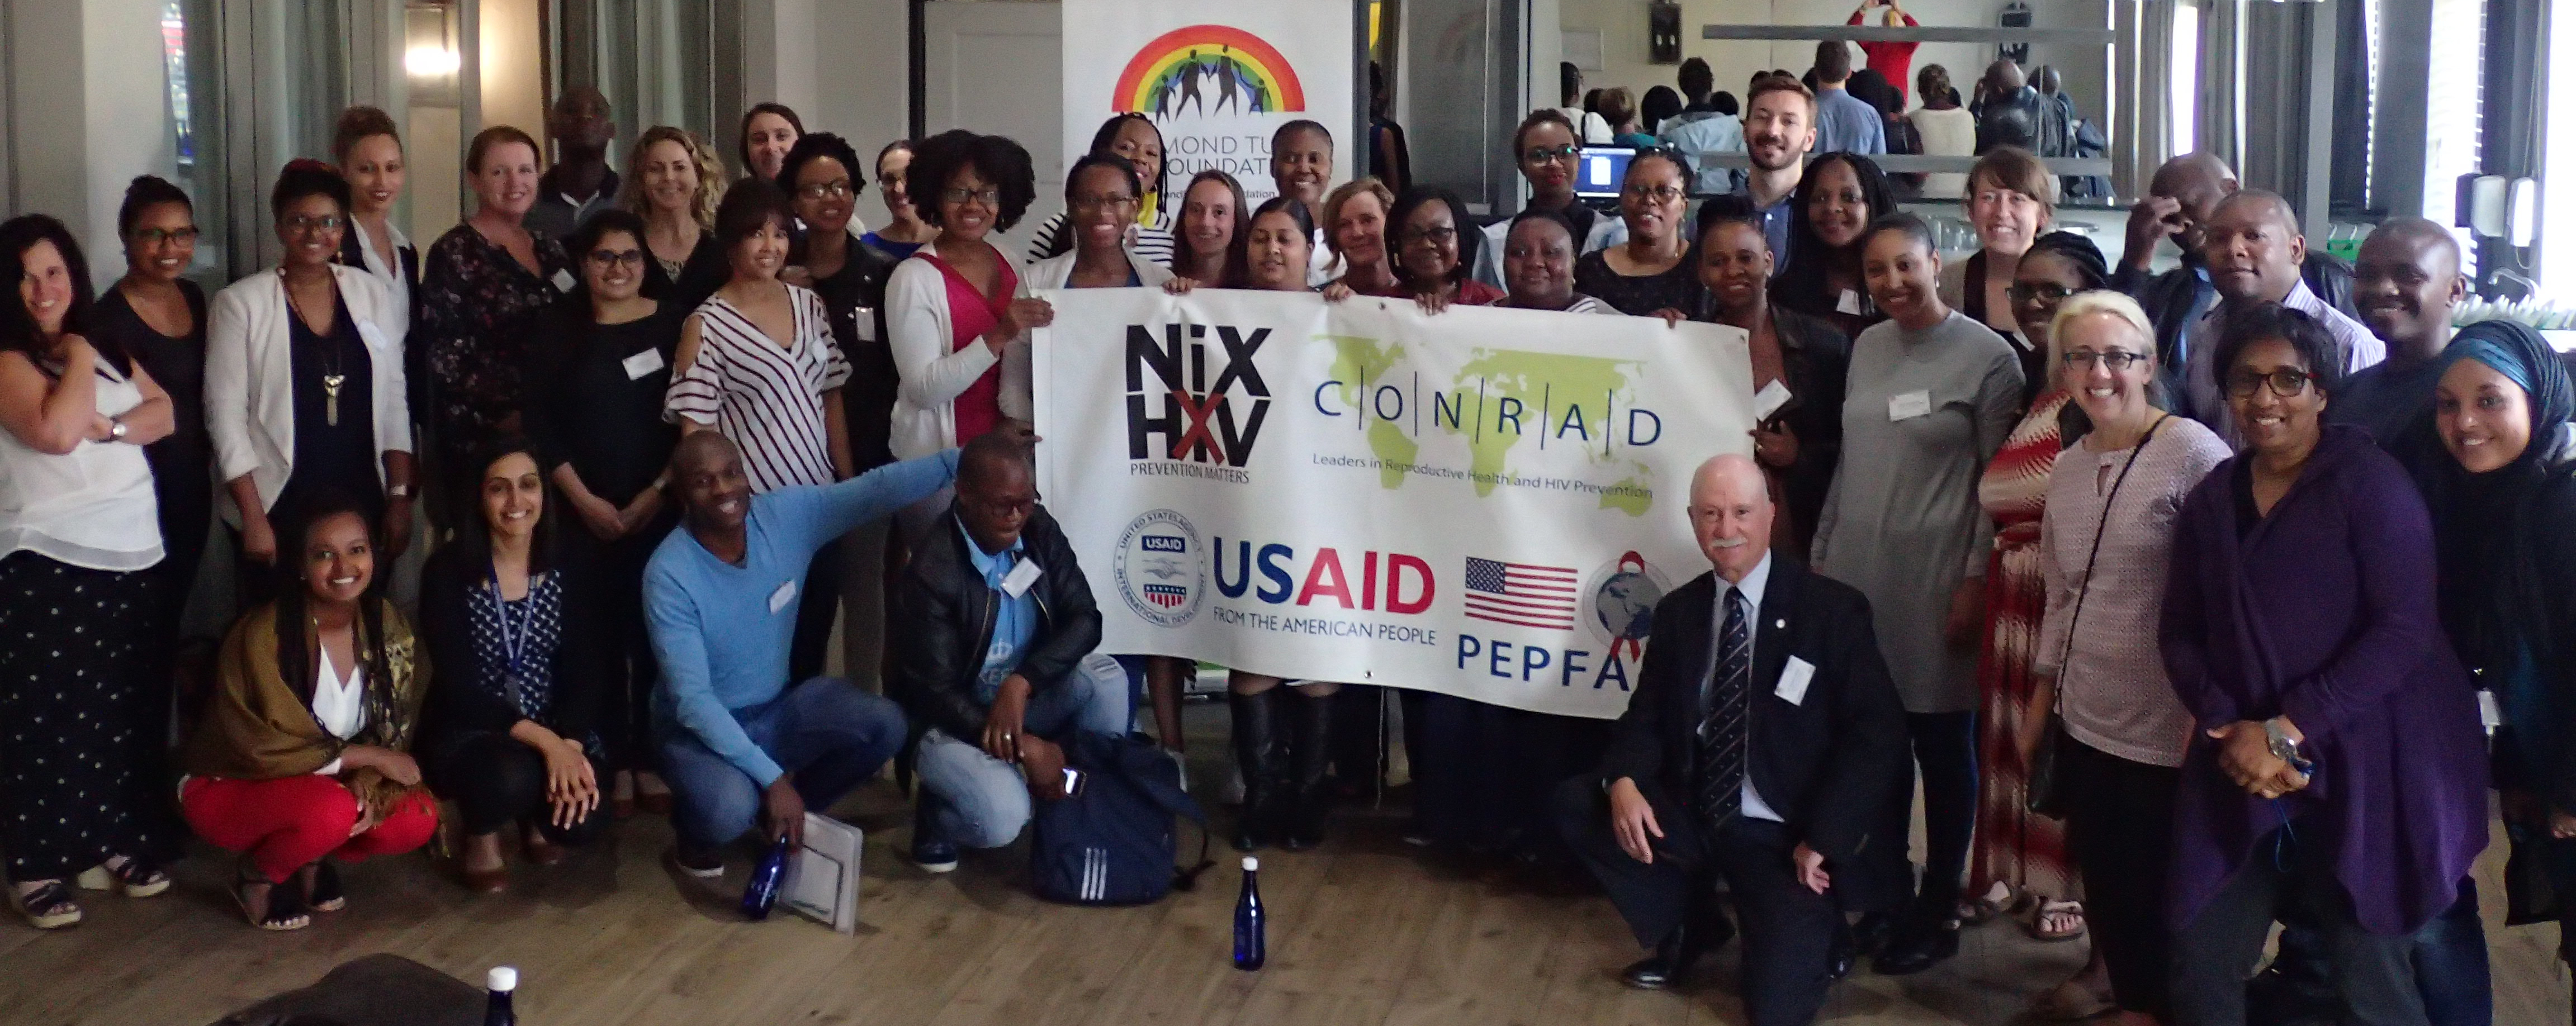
column 928, row 373
column 250, row 388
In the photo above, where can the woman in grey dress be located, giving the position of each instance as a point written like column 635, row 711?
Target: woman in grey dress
column 1930, row 396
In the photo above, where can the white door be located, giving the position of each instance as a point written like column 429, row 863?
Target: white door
column 996, row 68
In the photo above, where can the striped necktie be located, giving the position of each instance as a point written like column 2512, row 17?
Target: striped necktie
column 1722, row 730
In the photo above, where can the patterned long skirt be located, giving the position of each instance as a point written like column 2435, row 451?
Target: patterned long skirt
column 82, row 724
column 2013, row 844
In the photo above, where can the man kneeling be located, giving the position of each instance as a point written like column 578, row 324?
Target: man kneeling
column 1763, row 735
column 720, row 598
column 993, row 627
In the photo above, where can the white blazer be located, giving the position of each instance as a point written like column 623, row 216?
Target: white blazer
column 1018, row 379
column 250, row 388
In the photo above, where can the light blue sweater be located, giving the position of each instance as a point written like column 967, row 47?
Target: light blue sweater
column 721, row 630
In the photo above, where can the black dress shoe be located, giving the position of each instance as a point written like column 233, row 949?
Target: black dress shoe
column 1920, row 945
column 1671, row 961
column 1844, row 956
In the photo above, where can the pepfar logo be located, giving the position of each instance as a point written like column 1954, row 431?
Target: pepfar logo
column 1161, row 570
column 1203, row 400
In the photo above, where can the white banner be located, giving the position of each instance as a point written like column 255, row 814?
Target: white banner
column 1485, row 502
column 1217, row 76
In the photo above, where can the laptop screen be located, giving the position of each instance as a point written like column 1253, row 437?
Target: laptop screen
column 1599, row 170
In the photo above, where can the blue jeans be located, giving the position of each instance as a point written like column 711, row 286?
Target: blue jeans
column 829, row 736
column 979, row 801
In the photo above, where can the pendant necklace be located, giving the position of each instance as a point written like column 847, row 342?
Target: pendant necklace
column 332, row 377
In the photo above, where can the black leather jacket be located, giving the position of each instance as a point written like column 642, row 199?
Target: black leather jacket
column 941, row 624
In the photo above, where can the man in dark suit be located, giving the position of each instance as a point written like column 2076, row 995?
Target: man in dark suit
column 1763, row 736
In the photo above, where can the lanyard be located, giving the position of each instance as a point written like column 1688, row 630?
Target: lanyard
column 527, row 615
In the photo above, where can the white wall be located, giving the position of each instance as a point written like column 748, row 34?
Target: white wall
column 859, row 80
column 513, row 71
column 86, row 81
column 1622, row 24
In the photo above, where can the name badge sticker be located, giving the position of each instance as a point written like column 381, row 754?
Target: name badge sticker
column 1794, row 679
column 642, row 363
column 1908, row 405
column 564, row 281
column 1769, row 400
column 864, row 320
column 778, row 599
column 1016, row 583
column 1848, row 304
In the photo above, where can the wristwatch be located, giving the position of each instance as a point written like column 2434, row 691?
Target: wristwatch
column 2283, row 748
column 115, row 430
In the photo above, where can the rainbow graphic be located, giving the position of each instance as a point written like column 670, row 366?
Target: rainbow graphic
column 1207, row 69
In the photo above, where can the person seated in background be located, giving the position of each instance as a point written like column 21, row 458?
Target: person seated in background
column 1943, row 129
column 721, row 597
column 304, row 747
column 993, row 628
column 1764, row 735
column 521, row 641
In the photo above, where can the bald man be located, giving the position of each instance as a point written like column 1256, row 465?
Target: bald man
column 2406, row 286
column 738, row 745
column 2253, row 253
column 1760, row 744
column 581, row 183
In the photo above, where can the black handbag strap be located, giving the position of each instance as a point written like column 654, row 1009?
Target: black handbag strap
column 2099, row 529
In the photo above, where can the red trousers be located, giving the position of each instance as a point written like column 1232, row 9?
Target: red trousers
column 291, row 822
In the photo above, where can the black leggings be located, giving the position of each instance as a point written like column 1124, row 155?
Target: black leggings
column 496, row 780
column 2119, row 827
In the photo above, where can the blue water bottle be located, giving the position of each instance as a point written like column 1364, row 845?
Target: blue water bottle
column 1250, row 948
column 761, row 895
column 501, row 981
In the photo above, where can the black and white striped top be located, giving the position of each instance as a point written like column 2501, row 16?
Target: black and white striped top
column 1153, row 241
column 768, row 399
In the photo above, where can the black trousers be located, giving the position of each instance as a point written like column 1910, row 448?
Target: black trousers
column 496, row 781
column 1788, row 930
column 1483, row 773
column 616, row 572
column 2215, row 954
column 820, row 602
column 2119, row 827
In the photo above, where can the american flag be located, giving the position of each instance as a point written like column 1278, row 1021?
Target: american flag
column 1521, row 594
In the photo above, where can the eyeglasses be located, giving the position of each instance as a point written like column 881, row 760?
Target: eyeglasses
column 302, row 224
column 1544, row 154
column 988, row 195
column 1098, row 202
column 605, row 259
column 2285, row 383
column 156, row 236
column 2021, row 293
column 1435, row 236
column 1653, row 194
column 838, row 188
column 2119, row 360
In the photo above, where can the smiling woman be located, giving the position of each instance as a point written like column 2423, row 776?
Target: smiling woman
column 484, row 283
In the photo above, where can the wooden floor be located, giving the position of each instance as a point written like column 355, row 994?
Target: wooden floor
column 1364, row 931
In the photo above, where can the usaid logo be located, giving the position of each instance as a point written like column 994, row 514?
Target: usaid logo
column 1161, row 569
column 1194, row 394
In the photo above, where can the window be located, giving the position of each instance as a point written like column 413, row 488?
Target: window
column 2455, row 76
column 2183, row 76
column 2558, row 159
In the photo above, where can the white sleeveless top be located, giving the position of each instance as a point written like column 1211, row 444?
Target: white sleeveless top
column 92, row 507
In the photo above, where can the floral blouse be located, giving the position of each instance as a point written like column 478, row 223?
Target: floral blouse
column 476, row 301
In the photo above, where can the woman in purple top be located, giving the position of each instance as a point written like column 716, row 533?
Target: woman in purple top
column 2337, row 755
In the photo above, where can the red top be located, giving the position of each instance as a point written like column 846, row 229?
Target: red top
column 1476, row 293
column 1894, row 60
column 970, row 315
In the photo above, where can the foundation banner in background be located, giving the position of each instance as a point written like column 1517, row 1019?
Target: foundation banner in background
column 1217, row 76
column 1482, row 502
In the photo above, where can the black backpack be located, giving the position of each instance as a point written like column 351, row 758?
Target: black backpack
column 1114, row 844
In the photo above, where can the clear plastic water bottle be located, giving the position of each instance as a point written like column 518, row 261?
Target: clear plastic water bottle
column 501, row 981
column 1251, row 947
column 761, row 895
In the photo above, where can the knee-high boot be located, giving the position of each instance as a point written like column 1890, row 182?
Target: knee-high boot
column 1257, row 753
column 1310, row 722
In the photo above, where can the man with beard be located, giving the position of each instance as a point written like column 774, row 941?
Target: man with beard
column 1779, row 129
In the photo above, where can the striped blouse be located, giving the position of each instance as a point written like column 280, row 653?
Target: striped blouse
column 767, row 399
column 1151, row 240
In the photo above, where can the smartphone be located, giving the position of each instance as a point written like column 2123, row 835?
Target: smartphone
column 1073, row 779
